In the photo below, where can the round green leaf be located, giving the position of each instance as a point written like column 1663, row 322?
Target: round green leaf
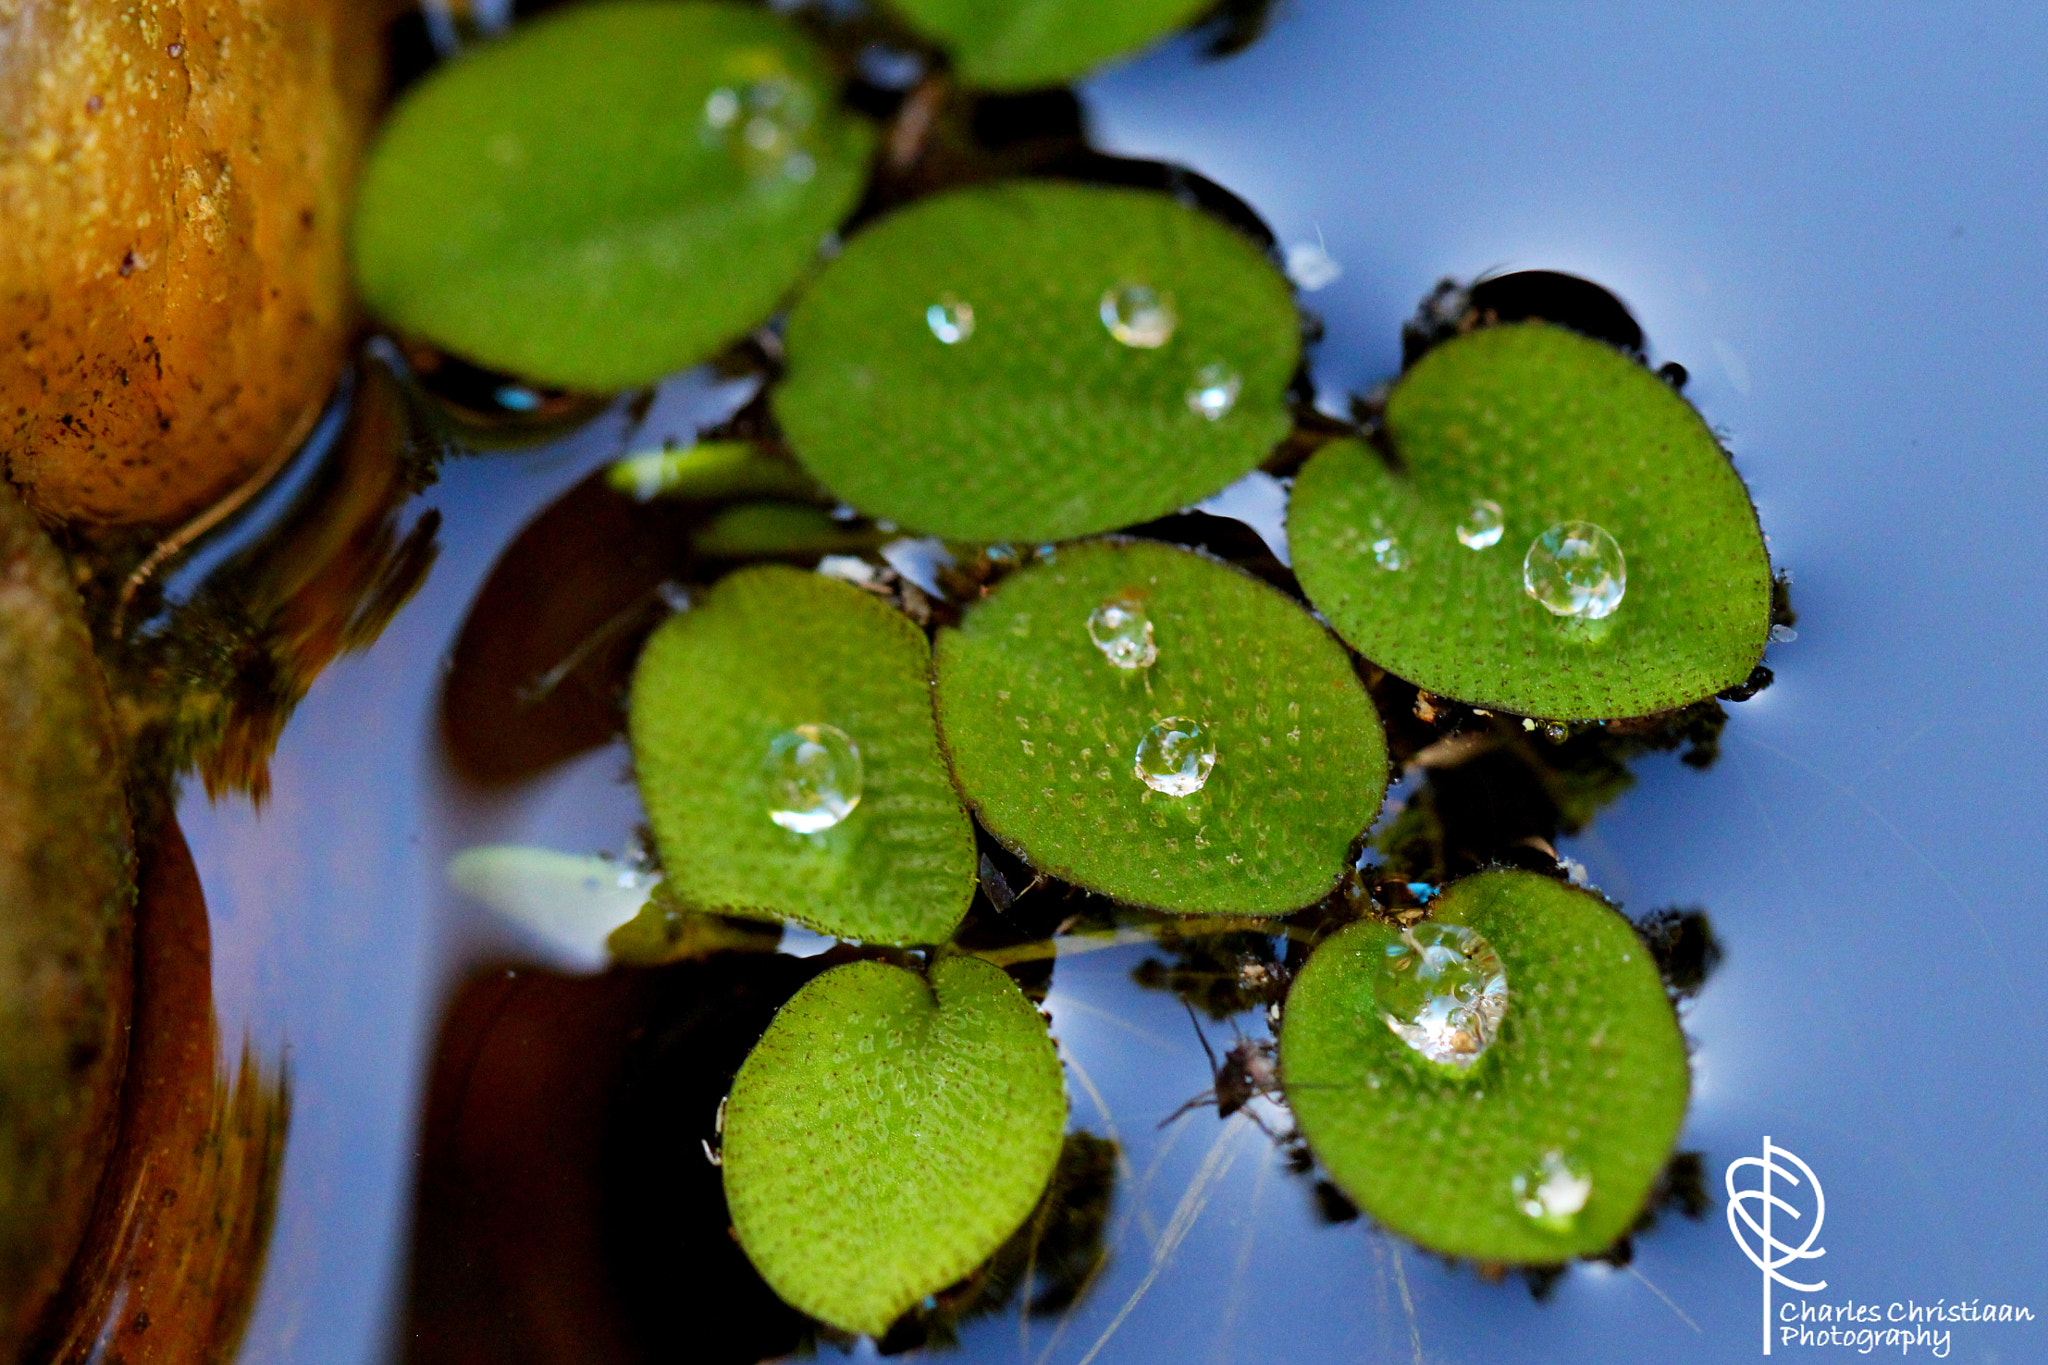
column 1020, row 44
column 610, row 193
column 1044, row 732
column 1588, row 1074
column 1553, row 428
column 1035, row 422
column 886, row 1135
column 770, row 649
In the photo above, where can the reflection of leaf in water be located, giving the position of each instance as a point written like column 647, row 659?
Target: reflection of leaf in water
column 888, row 1134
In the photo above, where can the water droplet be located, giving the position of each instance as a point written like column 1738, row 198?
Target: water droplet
column 1551, row 1193
column 1122, row 631
column 1556, row 732
column 1443, row 991
column 1783, row 635
column 1215, row 391
column 767, row 125
column 1175, row 756
column 814, row 778
column 1139, row 315
column 1387, row 551
column 1482, row 525
column 950, row 319
column 517, row 398
column 1575, row 569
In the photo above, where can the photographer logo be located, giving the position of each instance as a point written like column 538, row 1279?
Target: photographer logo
column 1754, row 1212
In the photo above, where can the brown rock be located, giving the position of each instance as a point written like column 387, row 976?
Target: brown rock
column 174, row 179
column 66, row 926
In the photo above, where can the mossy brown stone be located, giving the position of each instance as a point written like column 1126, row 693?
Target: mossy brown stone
column 66, row 923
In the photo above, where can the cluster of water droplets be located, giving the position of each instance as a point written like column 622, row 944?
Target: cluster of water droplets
column 1443, row 991
column 1576, row 570
column 1122, row 631
column 1386, row 547
column 767, row 125
column 1139, row 316
column 1175, row 756
column 1552, row 1191
column 814, row 777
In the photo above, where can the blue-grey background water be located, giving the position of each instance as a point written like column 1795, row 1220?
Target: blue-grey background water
column 1837, row 219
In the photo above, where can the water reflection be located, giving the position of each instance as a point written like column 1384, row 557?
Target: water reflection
column 175, row 1251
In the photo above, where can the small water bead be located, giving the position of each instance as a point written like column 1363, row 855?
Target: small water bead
column 1122, row 631
column 1138, row 315
column 951, row 319
column 814, row 778
column 767, row 123
column 1576, row 570
column 1215, row 391
column 1387, row 551
column 1175, row 757
column 1551, row 1193
column 1481, row 529
column 1443, row 991
column 1783, row 635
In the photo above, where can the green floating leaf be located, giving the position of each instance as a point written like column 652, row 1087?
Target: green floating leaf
column 783, row 736
column 1542, row 1149
column 1047, row 732
column 1021, row 44
column 610, row 193
column 1549, row 428
column 958, row 368
column 796, row 530
column 886, row 1135
column 708, row 472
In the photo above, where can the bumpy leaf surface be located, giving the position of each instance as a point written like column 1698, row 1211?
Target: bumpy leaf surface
column 1553, row 428
column 886, row 1135
column 1036, row 423
column 612, row 192
column 1043, row 732
column 1589, row 1064
column 770, row 649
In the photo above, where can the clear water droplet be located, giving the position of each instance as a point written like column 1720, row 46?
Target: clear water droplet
column 1387, row 550
column 1215, row 391
column 1783, row 635
column 814, row 778
column 1575, row 569
column 951, row 319
column 1138, row 315
column 1175, row 756
column 1443, row 991
column 1552, row 1191
column 1556, row 732
column 767, row 125
column 1122, row 631
column 1481, row 529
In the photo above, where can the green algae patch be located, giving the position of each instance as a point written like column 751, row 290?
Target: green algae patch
column 1022, row 44
column 784, row 742
column 610, row 193
column 1228, row 773
column 1033, row 361
column 1543, row 1147
column 888, row 1133
column 1433, row 569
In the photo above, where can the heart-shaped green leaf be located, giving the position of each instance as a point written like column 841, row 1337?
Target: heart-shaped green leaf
column 959, row 369
column 869, row 844
column 1550, row 428
column 1045, row 730
column 610, row 193
column 886, row 1135
column 1019, row 44
column 1546, row 1146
